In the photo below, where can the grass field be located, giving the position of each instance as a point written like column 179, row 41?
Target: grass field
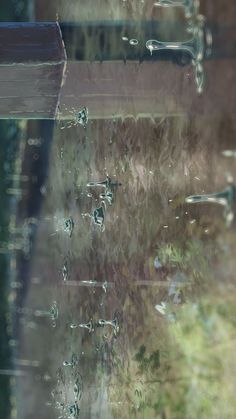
column 154, row 368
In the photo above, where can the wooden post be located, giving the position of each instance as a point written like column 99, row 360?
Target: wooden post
column 35, row 76
column 150, row 89
column 32, row 63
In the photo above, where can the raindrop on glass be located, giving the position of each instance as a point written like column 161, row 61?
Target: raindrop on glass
column 133, row 41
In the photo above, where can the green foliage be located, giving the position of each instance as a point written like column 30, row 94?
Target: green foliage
column 194, row 258
column 151, row 362
column 140, row 354
column 171, row 255
column 194, row 376
column 204, row 337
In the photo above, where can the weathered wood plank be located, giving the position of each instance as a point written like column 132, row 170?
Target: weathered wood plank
column 30, row 43
column 159, row 88
column 32, row 62
column 18, row 81
column 108, row 89
column 29, row 107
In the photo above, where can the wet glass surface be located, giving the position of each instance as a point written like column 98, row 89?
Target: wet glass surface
column 117, row 219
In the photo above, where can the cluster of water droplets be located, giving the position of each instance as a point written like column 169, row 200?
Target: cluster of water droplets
column 132, row 41
column 106, row 196
column 198, row 46
column 69, row 387
column 63, row 224
column 78, row 117
column 52, row 313
column 68, row 390
column 93, row 324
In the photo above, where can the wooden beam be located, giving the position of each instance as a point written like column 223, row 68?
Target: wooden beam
column 32, row 62
column 115, row 89
column 33, row 80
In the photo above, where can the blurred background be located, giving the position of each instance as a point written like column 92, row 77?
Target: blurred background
column 155, row 266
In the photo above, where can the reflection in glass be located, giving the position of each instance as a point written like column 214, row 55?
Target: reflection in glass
column 52, row 313
column 226, row 198
column 191, row 7
column 194, row 46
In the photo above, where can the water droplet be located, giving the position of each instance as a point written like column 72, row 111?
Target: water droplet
column 65, row 271
column 34, row 141
column 69, row 226
column 66, row 363
column 157, row 264
column 43, row 190
column 133, row 41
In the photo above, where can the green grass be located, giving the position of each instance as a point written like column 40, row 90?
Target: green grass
column 194, row 258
